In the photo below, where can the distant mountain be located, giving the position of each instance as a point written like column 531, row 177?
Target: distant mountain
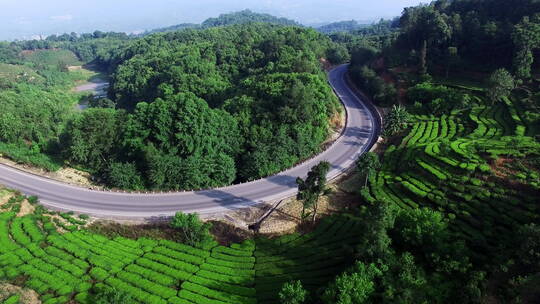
column 173, row 28
column 342, row 26
column 241, row 17
column 246, row 16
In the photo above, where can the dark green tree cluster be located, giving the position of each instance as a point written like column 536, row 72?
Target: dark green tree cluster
column 312, row 188
column 476, row 33
column 438, row 99
column 201, row 109
column 407, row 257
column 382, row 92
column 193, row 230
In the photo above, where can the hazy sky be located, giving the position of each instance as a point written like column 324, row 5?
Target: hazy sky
column 27, row 18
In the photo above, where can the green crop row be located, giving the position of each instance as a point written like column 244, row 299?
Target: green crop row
column 222, row 286
column 229, row 271
column 31, row 228
column 190, row 268
column 137, row 293
column 164, row 269
column 219, row 262
column 218, row 295
column 197, row 298
column 195, row 260
column 17, row 232
column 149, row 286
column 232, row 252
column 151, row 275
column 185, row 248
column 236, row 280
column 233, row 259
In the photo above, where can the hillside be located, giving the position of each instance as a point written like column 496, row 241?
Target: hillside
column 241, row 17
column 462, row 137
column 444, row 209
column 256, row 109
column 246, row 16
column 342, row 26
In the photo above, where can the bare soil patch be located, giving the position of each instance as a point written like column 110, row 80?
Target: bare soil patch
column 28, row 296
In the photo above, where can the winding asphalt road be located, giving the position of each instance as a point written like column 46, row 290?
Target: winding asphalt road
column 359, row 135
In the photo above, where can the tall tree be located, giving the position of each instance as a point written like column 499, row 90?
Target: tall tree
column 526, row 38
column 312, row 188
column 367, row 164
column 499, row 85
column 395, row 121
column 293, row 293
column 194, row 231
column 353, row 287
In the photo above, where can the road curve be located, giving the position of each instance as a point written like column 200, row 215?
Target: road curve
column 359, row 135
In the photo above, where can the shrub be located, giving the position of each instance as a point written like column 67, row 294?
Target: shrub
column 193, row 229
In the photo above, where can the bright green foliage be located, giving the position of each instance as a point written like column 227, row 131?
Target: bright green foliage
column 199, row 108
column 124, row 176
column 292, row 293
column 14, row 299
column 193, row 229
column 185, row 144
column 353, row 288
column 91, row 268
column 499, row 85
column 395, row 121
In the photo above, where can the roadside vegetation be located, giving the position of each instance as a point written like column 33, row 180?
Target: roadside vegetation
column 246, row 112
column 444, row 209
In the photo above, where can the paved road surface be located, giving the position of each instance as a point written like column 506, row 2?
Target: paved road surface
column 359, row 134
column 97, row 87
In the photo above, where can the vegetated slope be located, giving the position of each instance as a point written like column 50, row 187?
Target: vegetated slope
column 470, row 149
column 207, row 108
column 444, row 163
column 246, row 16
column 66, row 266
column 67, row 49
column 173, row 28
column 342, row 26
column 240, row 17
column 35, row 103
column 51, row 57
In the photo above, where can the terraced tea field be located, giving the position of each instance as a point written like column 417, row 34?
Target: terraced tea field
column 448, row 163
column 63, row 267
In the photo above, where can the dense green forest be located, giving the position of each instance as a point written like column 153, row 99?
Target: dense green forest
column 445, row 211
column 257, row 97
column 258, row 103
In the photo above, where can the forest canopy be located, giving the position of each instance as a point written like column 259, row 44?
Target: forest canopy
column 205, row 108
